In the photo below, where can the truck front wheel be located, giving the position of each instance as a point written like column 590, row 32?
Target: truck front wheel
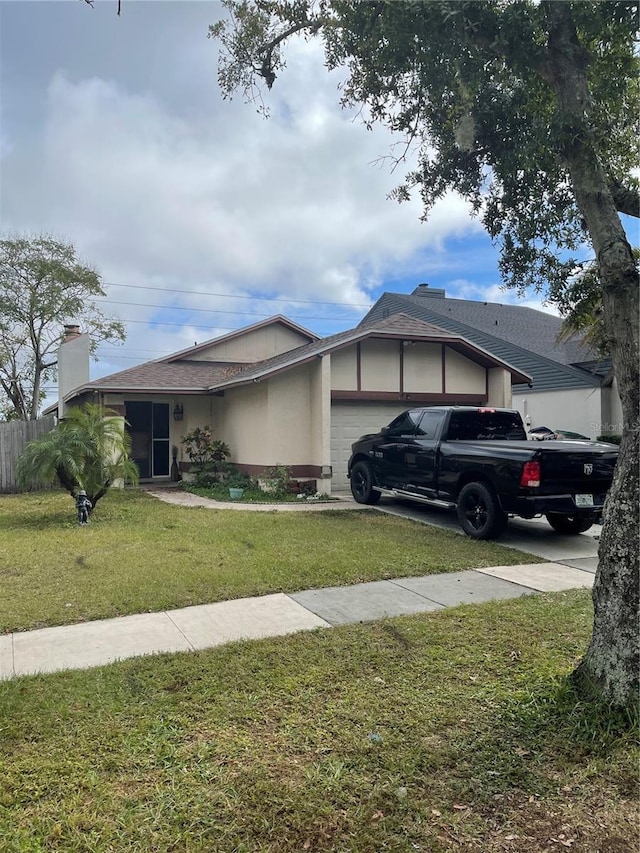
column 479, row 512
column 569, row 524
column 362, row 484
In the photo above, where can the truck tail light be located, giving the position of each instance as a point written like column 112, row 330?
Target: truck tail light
column 530, row 477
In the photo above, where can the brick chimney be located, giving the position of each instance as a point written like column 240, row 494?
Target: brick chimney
column 425, row 290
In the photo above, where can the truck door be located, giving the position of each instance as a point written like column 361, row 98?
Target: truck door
column 421, row 454
column 392, row 451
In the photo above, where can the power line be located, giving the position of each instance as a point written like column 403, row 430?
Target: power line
column 214, row 310
column 143, row 351
column 238, row 296
column 152, row 323
column 180, row 325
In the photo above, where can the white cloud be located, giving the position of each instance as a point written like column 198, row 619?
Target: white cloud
column 158, row 182
column 287, row 204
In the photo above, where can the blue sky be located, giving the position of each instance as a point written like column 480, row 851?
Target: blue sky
column 200, row 215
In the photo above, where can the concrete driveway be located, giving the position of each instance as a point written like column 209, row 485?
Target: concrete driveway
column 534, row 536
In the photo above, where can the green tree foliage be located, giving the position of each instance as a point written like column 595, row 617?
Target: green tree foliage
column 88, row 449
column 42, row 286
column 581, row 306
column 528, row 110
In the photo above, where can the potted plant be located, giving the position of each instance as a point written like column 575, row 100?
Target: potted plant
column 237, row 482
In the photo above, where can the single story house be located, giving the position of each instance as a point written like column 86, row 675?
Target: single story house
column 278, row 394
column 570, row 387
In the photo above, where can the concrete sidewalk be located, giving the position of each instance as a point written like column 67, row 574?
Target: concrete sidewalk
column 104, row 641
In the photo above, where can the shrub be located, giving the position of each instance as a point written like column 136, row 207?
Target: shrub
column 612, row 439
column 309, row 487
column 238, row 480
column 206, row 454
column 276, row 480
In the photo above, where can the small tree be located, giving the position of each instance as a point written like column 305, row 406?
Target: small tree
column 42, row 286
column 88, row 449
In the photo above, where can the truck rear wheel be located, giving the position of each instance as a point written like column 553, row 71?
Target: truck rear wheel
column 569, row 524
column 362, row 484
column 479, row 512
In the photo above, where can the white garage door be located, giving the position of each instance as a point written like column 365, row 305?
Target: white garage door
column 348, row 422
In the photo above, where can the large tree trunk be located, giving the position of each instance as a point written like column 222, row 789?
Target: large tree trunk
column 611, row 665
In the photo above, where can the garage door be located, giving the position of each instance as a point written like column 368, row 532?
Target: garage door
column 348, row 422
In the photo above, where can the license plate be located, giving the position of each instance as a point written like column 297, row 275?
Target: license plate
column 584, row 500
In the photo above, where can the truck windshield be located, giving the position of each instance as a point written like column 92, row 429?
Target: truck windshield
column 485, row 425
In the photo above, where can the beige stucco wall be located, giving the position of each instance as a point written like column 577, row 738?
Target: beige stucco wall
column 73, row 367
column 578, row 409
column 612, row 418
column 198, row 411
column 284, row 420
column 463, row 376
column 289, row 417
column 380, row 365
column 422, row 368
column 243, row 422
column 320, row 409
column 253, row 346
column 344, row 369
column 499, row 387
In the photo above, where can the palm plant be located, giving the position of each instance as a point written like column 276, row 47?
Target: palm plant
column 88, row 449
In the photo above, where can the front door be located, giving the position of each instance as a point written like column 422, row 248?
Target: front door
column 148, row 426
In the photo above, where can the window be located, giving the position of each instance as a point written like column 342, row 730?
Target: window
column 430, row 425
column 405, row 424
column 485, row 425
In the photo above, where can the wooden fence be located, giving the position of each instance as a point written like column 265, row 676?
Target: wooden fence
column 13, row 437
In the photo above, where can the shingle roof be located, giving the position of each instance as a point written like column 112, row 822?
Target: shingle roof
column 183, row 376
column 517, row 324
column 398, row 326
column 523, row 337
column 159, row 376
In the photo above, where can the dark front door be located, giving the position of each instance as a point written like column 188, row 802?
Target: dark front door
column 148, row 426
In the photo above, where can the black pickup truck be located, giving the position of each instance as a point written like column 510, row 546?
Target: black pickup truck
column 479, row 461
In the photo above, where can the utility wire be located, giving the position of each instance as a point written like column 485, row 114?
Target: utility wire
column 238, row 296
column 214, row 310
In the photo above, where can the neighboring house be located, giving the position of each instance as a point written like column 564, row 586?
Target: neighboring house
column 279, row 395
column 570, row 388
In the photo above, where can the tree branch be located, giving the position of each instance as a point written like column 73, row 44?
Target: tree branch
column 266, row 50
column 626, row 200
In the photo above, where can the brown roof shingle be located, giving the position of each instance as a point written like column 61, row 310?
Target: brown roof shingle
column 183, row 376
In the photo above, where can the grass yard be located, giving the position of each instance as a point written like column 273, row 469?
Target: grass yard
column 139, row 555
column 449, row 731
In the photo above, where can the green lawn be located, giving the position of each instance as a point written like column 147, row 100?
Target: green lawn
column 441, row 732
column 139, row 554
